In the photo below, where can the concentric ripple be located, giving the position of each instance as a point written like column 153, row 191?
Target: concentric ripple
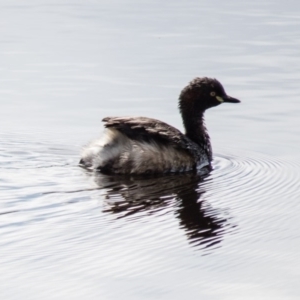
column 256, row 177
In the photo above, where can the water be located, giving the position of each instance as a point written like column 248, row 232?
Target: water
column 67, row 233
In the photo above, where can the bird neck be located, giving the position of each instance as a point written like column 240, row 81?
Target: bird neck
column 195, row 130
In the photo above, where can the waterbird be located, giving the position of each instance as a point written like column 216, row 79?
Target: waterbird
column 141, row 145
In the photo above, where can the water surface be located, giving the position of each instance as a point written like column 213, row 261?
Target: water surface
column 69, row 233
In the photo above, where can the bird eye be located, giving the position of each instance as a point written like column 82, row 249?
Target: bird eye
column 212, row 94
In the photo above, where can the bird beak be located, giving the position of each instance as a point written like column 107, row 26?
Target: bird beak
column 230, row 99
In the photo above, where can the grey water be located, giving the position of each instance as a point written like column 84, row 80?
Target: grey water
column 66, row 233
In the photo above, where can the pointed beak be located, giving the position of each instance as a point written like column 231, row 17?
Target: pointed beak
column 230, row 99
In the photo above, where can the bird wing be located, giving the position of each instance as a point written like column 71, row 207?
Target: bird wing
column 147, row 130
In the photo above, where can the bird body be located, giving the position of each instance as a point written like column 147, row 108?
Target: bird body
column 140, row 145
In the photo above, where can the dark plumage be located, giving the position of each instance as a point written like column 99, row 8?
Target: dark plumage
column 140, row 145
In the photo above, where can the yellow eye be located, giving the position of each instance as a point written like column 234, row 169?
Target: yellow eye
column 212, row 94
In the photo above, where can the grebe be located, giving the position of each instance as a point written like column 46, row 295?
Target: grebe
column 140, row 145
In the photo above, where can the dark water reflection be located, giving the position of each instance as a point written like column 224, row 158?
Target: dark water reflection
column 127, row 196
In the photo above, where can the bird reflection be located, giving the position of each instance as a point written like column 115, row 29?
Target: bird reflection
column 203, row 225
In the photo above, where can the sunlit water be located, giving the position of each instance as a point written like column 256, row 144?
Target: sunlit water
column 67, row 233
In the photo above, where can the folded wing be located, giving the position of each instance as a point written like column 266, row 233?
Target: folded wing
column 148, row 130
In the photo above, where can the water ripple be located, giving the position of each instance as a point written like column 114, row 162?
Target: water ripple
column 158, row 211
column 248, row 176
